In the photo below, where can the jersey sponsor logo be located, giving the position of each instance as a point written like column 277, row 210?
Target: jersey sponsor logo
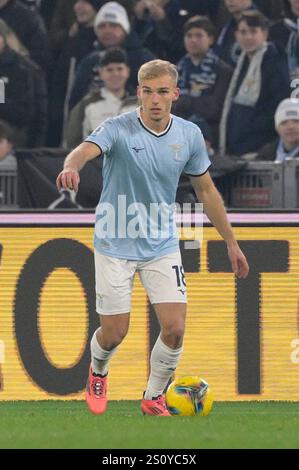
column 137, row 150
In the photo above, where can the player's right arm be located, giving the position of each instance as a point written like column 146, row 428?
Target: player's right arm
column 69, row 177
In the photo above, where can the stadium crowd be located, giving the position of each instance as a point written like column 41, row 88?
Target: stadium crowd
column 68, row 65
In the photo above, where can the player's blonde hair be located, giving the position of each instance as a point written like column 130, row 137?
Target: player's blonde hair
column 157, row 68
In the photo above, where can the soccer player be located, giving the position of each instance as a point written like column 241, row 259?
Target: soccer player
column 145, row 152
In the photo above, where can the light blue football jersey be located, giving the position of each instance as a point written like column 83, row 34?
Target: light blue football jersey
column 135, row 217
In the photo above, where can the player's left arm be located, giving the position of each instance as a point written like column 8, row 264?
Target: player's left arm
column 213, row 206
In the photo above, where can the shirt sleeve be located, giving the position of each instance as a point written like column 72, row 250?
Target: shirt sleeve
column 199, row 162
column 104, row 136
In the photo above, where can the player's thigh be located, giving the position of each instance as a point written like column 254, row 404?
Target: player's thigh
column 114, row 283
column 164, row 279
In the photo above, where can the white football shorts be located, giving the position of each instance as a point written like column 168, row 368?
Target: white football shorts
column 163, row 279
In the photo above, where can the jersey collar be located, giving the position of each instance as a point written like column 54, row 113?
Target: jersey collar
column 156, row 134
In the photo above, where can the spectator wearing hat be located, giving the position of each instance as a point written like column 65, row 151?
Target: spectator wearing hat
column 110, row 100
column 76, row 47
column 64, row 24
column 29, row 28
column 53, row 11
column 113, row 29
column 260, row 81
column 203, row 77
column 286, row 146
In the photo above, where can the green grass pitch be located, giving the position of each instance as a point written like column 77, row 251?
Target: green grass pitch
column 69, row 425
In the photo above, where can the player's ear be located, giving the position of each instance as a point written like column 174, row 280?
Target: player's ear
column 138, row 91
column 176, row 94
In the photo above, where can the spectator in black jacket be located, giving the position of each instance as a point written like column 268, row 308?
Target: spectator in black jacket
column 203, row 77
column 29, row 28
column 113, row 29
column 260, row 81
column 76, row 47
column 18, row 107
column 287, row 126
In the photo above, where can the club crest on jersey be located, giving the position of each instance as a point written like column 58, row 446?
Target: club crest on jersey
column 177, row 150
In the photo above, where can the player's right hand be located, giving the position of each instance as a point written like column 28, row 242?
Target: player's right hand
column 68, row 179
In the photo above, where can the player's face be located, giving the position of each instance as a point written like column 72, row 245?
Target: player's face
column 289, row 132
column 115, row 76
column 250, row 38
column 197, row 42
column 84, row 12
column 110, row 34
column 156, row 97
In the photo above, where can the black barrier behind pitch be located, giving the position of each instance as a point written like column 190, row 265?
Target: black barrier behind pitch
column 38, row 170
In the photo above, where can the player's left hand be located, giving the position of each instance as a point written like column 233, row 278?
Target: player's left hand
column 238, row 261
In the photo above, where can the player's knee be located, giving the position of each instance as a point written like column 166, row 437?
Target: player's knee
column 113, row 336
column 173, row 335
column 120, row 334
